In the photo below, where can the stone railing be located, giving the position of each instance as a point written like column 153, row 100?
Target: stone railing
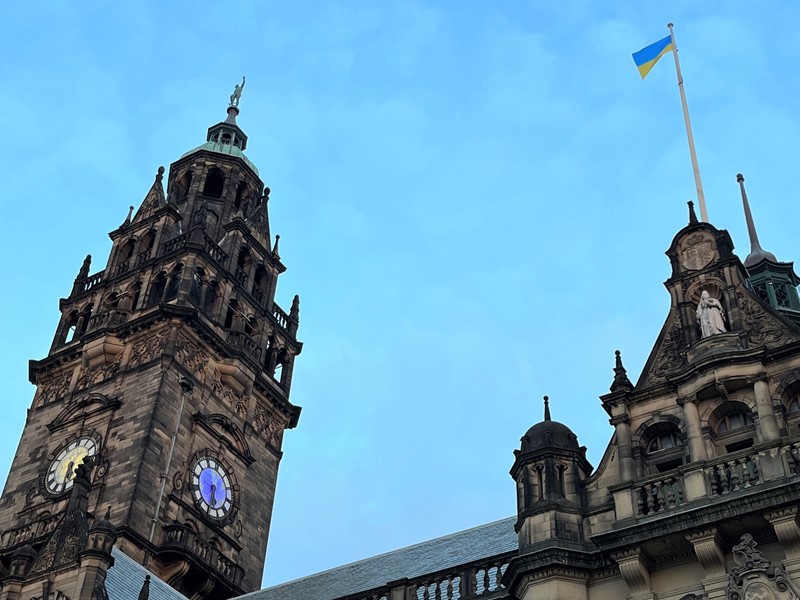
column 182, row 539
column 480, row 579
column 143, row 257
column 90, row 282
column 176, row 243
column 659, row 494
column 280, row 316
column 214, row 251
column 108, row 318
column 123, row 266
column 240, row 275
column 30, row 531
column 244, row 342
column 733, row 474
column 710, row 480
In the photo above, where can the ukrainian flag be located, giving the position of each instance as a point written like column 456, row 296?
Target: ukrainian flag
column 646, row 58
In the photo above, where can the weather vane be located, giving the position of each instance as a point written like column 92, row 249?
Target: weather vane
column 237, row 93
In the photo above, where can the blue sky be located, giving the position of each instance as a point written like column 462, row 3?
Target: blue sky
column 473, row 198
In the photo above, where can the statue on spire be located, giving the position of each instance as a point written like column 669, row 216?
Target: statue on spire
column 237, row 93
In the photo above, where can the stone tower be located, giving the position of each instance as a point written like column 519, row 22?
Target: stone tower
column 171, row 367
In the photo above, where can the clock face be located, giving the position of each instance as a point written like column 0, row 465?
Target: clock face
column 61, row 472
column 211, row 488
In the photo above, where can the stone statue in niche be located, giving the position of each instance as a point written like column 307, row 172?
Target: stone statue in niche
column 710, row 315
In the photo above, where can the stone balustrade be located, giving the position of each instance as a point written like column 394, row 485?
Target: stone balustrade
column 475, row 580
column 712, row 480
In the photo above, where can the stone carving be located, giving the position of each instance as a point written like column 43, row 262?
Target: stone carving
column 147, row 348
column 90, row 377
column 755, row 578
column 53, row 388
column 696, row 251
column 710, row 315
column 668, row 357
column 190, row 355
column 268, row 424
column 762, row 328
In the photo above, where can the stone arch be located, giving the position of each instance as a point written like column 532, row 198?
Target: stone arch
column 87, row 406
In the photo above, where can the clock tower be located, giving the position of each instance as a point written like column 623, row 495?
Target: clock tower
column 168, row 379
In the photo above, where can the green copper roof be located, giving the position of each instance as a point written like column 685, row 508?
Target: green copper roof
column 228, row 149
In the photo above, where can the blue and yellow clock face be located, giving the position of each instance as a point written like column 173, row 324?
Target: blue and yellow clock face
column 211, row 488
column 61, row 472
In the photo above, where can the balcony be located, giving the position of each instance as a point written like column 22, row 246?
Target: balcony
column 183, row 541
column 243, row 342
column 708, row 482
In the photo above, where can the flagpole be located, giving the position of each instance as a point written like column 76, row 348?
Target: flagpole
column 698, row 183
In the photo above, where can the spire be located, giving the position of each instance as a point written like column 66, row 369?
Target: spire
column 127, row 220
column 154, row 198
column 757, row 253
column 83, row 273
column 547, row 409
column 621, row 381
column 692, row 216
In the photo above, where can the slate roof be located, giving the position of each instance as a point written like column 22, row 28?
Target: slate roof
column 434, row 555
column 124, row 581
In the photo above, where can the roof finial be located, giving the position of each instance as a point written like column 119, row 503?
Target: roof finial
column 621, row 381
column 275, row 247
column 692, row 216
column 144, row 593
column 757, row 253
column 546, row 408
column 127, row 220
column 160, row 174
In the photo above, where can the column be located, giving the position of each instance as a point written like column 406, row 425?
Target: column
column 766, row 415
column 697, row 448
column 622, row 425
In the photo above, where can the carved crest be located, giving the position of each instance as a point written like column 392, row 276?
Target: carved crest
column 755, row 578
column 696, row 251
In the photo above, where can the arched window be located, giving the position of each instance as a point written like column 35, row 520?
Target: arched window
column 210, row 297
column 732, row 422
column 215, row 181
column 230, row 315
column 70, row 328
column 182, row 186
column 196, row 290
column 174, row 283
column 663, row 445
column 243, row 266
column 157, row 289
column 663, row 441
column 240, row 193
column 125, row 253
column 146, row 247
column 136, row 291
column 260, row 283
